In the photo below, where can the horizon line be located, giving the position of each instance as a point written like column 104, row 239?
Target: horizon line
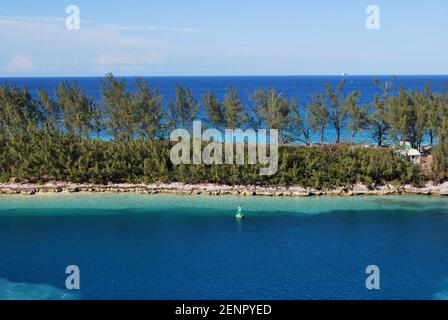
column 229, row 75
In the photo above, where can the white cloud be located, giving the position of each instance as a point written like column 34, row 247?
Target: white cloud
column 153, row 28
column 99, row 48
column 20, row 63
column 60, row 21
column 93, row 50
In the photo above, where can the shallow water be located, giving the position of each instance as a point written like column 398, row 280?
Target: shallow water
column 191, row 247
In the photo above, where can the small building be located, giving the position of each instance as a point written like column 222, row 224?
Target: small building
column 411, row 154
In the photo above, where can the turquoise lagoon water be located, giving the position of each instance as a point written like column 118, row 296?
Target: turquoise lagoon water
column 131, row 246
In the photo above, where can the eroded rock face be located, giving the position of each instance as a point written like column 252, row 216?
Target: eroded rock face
column 217, row 190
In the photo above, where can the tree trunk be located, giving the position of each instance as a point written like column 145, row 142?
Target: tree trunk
column 380, row 137
column 338, row 135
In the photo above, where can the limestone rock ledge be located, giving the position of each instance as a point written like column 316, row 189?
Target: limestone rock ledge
column 216, row 190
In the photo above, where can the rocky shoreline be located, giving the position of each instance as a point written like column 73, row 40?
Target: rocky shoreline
column 215, row 189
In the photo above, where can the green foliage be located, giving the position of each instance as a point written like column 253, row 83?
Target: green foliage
column 272, row 109
column 440, row 161
column 147, row 103
column 337, row 111
column 234, row 112
column 4, row 179
column 45, row 138
column 230, row 113
column 215, row 109
column 358, row 114
column 297, row 129
column 378, row 120
column 318, row 115
column 184, row 110
column 79, row 111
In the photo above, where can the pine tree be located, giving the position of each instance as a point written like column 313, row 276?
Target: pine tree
column 185, row 109
column 272, row 110
column 234, row 111
column 215, row 110
column 337, row 112
column 318, row 115
column 80, row 112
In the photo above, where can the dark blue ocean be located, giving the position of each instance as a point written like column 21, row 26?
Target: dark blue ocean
column 130, row 246
column 299, row 87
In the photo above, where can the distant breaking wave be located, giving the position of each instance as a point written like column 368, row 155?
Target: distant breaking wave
column 29, row 291
column 442, row 295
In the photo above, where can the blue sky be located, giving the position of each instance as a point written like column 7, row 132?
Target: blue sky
column 199, row 37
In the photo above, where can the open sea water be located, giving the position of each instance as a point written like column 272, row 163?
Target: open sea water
column 132, row 246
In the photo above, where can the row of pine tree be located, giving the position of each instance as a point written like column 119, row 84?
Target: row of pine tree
column 70, row 136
